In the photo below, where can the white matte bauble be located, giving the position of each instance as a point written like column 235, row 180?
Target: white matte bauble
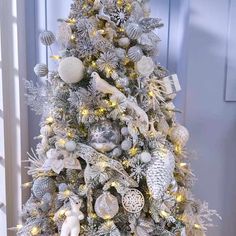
column 179, row 135
column 70, row 146
column 145, row 157
column 106, row 206
column 71, row 70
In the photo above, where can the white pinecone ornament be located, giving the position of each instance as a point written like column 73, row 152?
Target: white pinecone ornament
column 159, row 173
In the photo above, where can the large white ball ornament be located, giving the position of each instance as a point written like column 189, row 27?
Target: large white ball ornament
column 179, row 135
column 71, row 70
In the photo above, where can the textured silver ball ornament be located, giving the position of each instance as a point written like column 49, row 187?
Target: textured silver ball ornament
column 41, row 70
column 104, row 136
column 179, row 135
column 122, row 82
column 120, row 53
column 135, row 53
column 134, row 31
column 47, row 38
column 106, row 206
column 70, row 146
column 116, row 152
column 71, row 70
column 43, row 185
column 133, row 201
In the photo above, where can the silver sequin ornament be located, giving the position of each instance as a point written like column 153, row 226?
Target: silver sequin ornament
column 179, row 135
column 47, row 38
column 159, row 173
column 134, row 31
column 41, row 70
column 43, row 185
column 135, row 53
column 106, row 206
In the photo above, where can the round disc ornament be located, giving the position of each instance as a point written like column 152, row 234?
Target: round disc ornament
column 133, row 201
column 106, row 206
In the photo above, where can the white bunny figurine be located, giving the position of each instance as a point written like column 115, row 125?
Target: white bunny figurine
column 71, row 225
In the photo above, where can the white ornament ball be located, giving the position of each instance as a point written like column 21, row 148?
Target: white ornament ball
column 116, row 152
column 70, row 146
column 47, row 38
column 124, row 42
column 106, row 206
column 179, row 135
column 145, row 66
column 71, row 70
column 145, row 157
column 41, row 70
column 126, row 145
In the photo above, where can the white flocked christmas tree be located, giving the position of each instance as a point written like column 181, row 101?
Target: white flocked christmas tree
column 111, row 158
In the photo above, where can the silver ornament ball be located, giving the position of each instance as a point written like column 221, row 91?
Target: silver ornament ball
column 43, row 185
column 41, row 70
column 126, row 145
column 47, row 38
column 106, row 206
column 104, row 136
column 135, row 53
column 124, row 42
column 125, row 131
column 70, row 146
column 46, row 130
column 145, row 157
column 134, row 31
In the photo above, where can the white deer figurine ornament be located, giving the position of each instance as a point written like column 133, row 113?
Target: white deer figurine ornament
column 71, row 225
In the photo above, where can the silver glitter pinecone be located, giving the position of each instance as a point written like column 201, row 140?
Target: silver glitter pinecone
column 42, row 186
column 159, row 173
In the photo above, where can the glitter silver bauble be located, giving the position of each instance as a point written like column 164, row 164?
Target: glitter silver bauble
column 133, row 201
column 41, row 70
column 145, row 157
column 43, row 185
column 135, row 53
column 124, row 42
column 126, row 145
column 104, row 136
column 70, row 146
column 120, row 53
column 106, row 206
column 122, row 82
column 159, row 173
column 47, row 38
column 134, row 31
column 179, row 135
